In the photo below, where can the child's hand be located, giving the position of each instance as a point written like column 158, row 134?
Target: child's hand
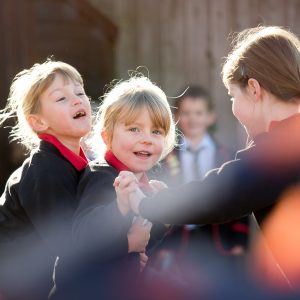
column 157, row 185
column 139, row 235
column 143, row 261
column 129, row 195
column 125, row 184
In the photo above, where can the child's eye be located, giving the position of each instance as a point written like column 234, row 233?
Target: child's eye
column 61, row 99
column 134, row 129
column 158, row 132
column 80, row 94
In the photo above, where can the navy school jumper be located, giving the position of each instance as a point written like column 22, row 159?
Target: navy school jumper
column 101, row 266
column 35, row 218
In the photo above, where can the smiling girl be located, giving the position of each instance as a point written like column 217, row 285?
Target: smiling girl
column 137, row 128
column 53, row 114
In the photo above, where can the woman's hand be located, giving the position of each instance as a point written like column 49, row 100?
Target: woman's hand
column 157, row 185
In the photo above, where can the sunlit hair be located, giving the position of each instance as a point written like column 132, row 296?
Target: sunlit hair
column 24, row 97
column 269, row 54
column 124, row 102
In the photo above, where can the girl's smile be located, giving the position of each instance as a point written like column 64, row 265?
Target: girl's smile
column 138, row 145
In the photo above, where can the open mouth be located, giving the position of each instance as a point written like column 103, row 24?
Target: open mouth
column 142, row 153
column 79, row 114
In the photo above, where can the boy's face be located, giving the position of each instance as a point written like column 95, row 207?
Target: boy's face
column 65, row 110
column 194, row 117
column 138, row 145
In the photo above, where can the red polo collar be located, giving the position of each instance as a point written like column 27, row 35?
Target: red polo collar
column 117, row 164
column 79, row 162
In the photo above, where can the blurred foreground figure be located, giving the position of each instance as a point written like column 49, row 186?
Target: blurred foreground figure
column 276, row 257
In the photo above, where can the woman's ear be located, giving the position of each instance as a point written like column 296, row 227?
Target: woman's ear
column 37, row 123
column 255, row 89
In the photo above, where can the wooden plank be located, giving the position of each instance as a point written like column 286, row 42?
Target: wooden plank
column 106, row 7
column 221, row 24
column 246, row 14
column 271, row 12
column 148, row 31
column 172, row 45
column 196, row 52
column 127, row 44
column 292, row 19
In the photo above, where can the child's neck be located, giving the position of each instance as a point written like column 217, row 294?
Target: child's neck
column 194, row 140
column 73, row 145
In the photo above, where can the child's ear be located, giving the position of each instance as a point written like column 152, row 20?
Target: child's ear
column 104, row 137
column 37, row 123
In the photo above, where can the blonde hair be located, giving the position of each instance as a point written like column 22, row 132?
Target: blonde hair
column 269, row 54
column 125, row 101
column 25, row 90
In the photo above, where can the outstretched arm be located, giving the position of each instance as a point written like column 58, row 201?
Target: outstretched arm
column 236, row 189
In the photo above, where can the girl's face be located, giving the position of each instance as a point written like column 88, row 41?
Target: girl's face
column 138, row 145
column 65, row 110
column 246, row 110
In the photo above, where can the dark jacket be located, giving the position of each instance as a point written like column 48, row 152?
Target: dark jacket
column 253, row 182
column 103, row 267
column 35, row 219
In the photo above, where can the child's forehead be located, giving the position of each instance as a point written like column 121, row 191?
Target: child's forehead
column 62, row 79
column 131, row 116
column 194, row 102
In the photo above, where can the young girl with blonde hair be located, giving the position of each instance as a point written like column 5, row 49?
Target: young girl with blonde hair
column 52, row 114
column 137, row 127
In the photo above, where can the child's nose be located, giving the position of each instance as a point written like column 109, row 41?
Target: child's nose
column 146, row 139
column 76, row 100
column 146, row 142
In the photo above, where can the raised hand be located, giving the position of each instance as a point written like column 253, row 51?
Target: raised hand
column 128, row 192
column 125, row 184
column 139, row 235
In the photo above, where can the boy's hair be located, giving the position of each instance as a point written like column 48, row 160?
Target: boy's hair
column 24, row 97
column 195, row 92
column 125, row 101
column 269, row 54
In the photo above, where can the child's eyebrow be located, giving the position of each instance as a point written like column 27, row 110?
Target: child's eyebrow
column 60, row 89
column 133, row 123
column 53, row 91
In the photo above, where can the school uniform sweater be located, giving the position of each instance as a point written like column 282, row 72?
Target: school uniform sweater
column 35, row 216
column 103, row 267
